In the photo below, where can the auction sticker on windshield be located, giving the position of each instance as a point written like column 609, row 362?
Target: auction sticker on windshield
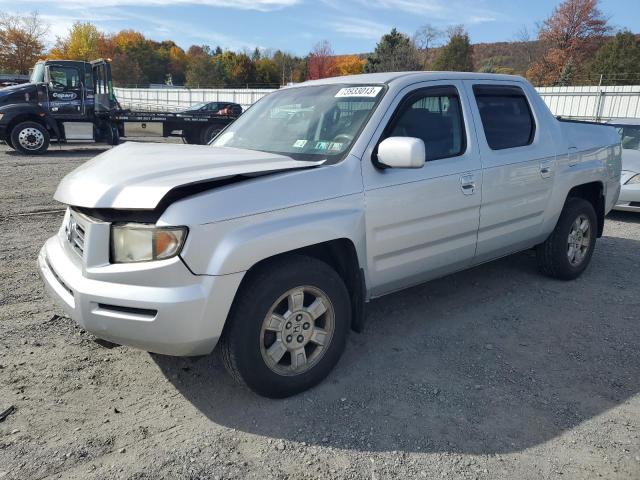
column 364, row 91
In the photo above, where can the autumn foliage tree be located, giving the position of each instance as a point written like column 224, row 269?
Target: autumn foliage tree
column 322, row 62
column 571, row 35
column 21, row 41
column 82, row 43
column 349, row 65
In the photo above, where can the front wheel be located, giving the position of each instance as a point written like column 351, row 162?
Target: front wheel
column 568, row 250
column 30, row 138
column 288, row 327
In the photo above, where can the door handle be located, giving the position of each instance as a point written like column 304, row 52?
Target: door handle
column 573, row 156
column 468, row 184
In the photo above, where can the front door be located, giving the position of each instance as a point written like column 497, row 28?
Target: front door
column 65, row 93
column 423, row 223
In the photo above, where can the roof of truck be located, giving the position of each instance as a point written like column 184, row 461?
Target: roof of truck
column 389, row 77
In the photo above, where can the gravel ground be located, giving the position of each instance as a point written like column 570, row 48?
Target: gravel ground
column 493, row 373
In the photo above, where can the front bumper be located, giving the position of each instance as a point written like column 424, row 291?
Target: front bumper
column 156, row 306
column 629, row 198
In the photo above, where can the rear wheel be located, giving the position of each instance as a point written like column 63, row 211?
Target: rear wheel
column 568, row 250
column 209, row 132
column 30, row 138
column 288, row 327
column 192, row 136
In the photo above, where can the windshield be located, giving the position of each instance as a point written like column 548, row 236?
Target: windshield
column 629, row 136
column 305, row 123
column 198, row 106
column 37, row 75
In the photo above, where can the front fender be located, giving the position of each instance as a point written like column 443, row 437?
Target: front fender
column 236, row 245
column 23, row 112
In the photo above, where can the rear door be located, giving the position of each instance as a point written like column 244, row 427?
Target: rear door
column 422, row 223
column 518, row 166
column 65, row 92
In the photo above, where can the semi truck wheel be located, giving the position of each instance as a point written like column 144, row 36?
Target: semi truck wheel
column 568, row 250
column 287, row 327
column 192, row 137
column 30, row 138
column 208, row 133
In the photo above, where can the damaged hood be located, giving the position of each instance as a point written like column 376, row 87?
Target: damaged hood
column 138, row 176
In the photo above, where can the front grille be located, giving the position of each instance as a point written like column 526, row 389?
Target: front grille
column 75, row 233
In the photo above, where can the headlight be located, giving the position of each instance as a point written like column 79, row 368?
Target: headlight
column 635, row 180
column 133, row 242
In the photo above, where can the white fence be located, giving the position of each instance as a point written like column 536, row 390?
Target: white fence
column 588, row 103
column 162, row 99
column 593, row 103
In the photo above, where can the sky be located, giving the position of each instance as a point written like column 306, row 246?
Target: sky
column 351, row 26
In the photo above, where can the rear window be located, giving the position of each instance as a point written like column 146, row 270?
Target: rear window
column 506, row 116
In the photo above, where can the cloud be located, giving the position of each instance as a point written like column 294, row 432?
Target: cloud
column 163, row 27
column 359, row 28
column 260, row 5
column 448, row 11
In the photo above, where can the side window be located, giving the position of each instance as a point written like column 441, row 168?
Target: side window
column 64, row 77
column 506, row 116
column 435, row 116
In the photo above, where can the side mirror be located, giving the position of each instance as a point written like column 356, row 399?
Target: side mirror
column 402, row 152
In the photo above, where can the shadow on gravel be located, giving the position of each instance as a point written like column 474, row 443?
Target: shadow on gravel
column 622, row 216
column 54, row 151
column 492, row 360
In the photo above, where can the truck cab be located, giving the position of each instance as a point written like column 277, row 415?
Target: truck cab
column 61, row 101
column 69, row 100
column 270, row 241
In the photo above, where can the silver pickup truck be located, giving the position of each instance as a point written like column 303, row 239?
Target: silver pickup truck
column 270, row 240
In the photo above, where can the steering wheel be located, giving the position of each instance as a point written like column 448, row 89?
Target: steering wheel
column 58, row 84
column 343, row 138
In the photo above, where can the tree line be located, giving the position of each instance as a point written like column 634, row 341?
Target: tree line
column 574, row 45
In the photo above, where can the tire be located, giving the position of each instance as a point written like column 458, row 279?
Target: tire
column 112, row 135
column 247, row 343
column 208, row 133
column 30, row 138
column 192, row 137
column 558, row 256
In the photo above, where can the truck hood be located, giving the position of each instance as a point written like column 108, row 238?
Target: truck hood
column 16, row 93
column 631, row 160
column 137, row 176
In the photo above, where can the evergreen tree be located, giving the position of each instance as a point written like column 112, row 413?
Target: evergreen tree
column 394, row 53
column 619, row 59
column 456, row 55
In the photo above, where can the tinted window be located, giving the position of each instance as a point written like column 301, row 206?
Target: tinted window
column 506, row 116
column 435, row 116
